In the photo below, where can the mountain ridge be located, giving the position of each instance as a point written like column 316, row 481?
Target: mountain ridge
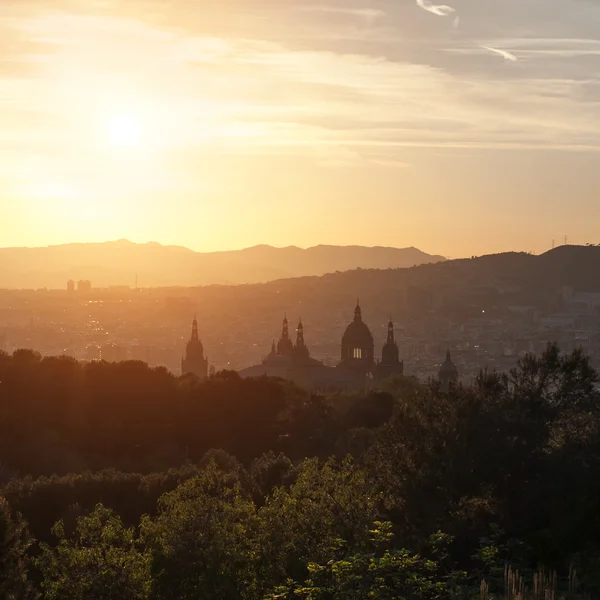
column 120, row 262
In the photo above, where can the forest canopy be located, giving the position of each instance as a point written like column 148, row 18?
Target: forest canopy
column 121, row 481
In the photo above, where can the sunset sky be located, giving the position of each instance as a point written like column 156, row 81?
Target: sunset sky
column 461, row 129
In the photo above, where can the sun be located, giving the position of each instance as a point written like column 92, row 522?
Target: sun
column 125, row 131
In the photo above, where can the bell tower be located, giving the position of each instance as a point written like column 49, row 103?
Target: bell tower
column 390, row 362
column 194, row 360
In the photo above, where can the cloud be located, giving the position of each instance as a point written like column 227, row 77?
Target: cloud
column 245, row 95
column 508, row 56
column 368, row 14
column 442, row 10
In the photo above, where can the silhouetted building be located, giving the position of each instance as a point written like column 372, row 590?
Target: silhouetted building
column 300, row 350
column 448, row 372
column 358, row 347
column 356, row 368
column 390, row 356
column 84, row 286
column 194, row 360
column 285, row 347
column 293, row 362
column 71, row 286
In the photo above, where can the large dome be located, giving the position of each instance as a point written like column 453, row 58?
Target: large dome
column 357, row 334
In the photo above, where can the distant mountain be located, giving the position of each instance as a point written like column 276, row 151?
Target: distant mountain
column 118, row 263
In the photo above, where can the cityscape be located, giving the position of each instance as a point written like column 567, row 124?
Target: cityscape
column 299, row 300
column 490, row 324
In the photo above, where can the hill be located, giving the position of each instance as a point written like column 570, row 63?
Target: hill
column 118, row 263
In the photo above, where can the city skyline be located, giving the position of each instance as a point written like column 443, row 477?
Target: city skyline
column 218, row 126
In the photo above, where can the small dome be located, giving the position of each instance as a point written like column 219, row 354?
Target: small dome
column 448, row 369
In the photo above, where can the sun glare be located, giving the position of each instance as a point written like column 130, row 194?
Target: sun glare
column 124, row 131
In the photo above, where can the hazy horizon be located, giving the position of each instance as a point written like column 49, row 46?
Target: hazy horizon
column 220, row 126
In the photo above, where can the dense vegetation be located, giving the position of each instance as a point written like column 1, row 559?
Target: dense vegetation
column 123, row 482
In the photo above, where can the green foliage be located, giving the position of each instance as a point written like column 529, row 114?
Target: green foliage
column 100, row 560
column 508, row 468
column 379, row 572
column 203, row 541
column 329, row 504
column 14, row 543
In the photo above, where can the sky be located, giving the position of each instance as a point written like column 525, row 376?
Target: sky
column 462, row 129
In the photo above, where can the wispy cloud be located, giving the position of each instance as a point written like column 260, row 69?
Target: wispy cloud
column 508, row 56
column 368, row 14
column 442, row 10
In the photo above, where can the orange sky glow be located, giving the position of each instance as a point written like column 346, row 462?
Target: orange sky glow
column 461, row 129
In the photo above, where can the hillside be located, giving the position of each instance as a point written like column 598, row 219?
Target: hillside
column 118, row 263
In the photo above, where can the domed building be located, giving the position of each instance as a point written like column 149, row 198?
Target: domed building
column 448, row 372
column 194, row 360
column 358, row 348
column 356, row 369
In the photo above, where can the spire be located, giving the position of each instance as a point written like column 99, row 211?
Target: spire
column 448, row 357
column 195, row 329
column 285, row 334
column 390, row 335
column 273, row 348
column 357, row 311
column 285, row 345
column 300, row 335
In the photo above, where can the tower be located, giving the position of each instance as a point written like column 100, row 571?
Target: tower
column 300, row 349
column 194, row 361
column 448, row 372
column 285, row 347
column 390, row 362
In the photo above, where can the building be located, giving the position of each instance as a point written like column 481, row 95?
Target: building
column 194, row 360
column 84, row 286
column 390, row 356
column 358, row 348
column 356, row 369
column 71, row 286
column 448, row 372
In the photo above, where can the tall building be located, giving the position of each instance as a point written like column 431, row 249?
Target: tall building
column 300, row 349
column 84, row 286
column 285, row 347
column 71, row 286
column 358, row 348
column 390, row 356
column 194, row 360
column 448, row 372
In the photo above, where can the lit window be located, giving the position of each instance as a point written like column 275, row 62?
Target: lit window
column 357, row 353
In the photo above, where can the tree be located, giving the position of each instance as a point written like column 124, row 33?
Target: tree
column 328, row 503
column 14, row 543
column 101, row 559
column 379, row 572
column 203, row 541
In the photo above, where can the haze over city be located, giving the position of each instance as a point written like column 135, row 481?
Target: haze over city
column 220, row 125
